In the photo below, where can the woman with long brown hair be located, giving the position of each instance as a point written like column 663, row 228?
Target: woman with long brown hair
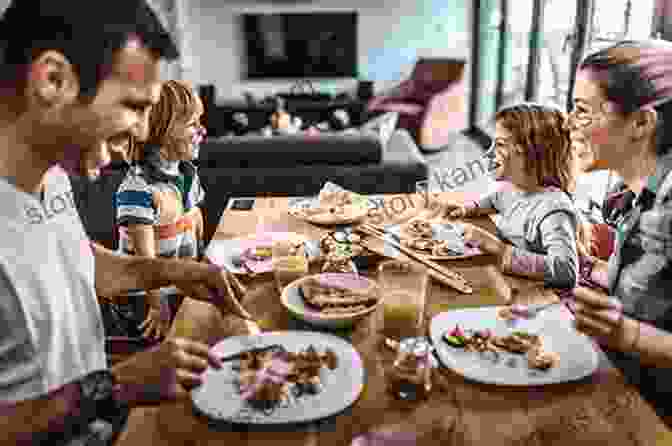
column 157, row 204
column 623, row 110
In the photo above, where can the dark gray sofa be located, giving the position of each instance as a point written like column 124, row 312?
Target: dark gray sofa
column 258, row 165
column 298, row 165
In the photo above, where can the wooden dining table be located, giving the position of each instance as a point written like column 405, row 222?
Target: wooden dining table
column 598, row 410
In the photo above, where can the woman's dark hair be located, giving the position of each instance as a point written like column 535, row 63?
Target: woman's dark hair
column 635, row 75
column 87, row 32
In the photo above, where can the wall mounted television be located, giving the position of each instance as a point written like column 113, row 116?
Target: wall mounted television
column 300, row 45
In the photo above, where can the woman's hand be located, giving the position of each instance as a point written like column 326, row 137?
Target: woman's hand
column 484, row 240
column 601, row 316
column 157, row 323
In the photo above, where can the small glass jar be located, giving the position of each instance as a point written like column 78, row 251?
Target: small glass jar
column 410, row 377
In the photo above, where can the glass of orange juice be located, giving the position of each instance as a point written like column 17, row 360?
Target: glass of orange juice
column 289, row 263
column 404, row 288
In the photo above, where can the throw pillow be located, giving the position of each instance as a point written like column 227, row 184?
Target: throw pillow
column 383, row 126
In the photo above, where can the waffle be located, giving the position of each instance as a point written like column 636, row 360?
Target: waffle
column 518, row 342
column 332, row 300
column 538, row 358
column 300, row 369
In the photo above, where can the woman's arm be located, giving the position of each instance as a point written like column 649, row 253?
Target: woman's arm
column 559, row 266
column 653, row 345
column 600, row 315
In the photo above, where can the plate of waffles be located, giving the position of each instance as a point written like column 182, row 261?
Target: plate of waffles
column 278, row 378
column 331, row 300
column 434, row 240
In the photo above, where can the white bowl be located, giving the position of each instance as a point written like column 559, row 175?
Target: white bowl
column 292, row 300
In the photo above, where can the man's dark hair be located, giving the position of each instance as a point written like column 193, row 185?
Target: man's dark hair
column 87, row 32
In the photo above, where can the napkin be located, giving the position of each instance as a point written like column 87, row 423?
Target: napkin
column 266, row 239
column 329, row 187
column 311, row 248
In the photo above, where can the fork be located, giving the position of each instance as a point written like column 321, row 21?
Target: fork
column 532, row 310
column 277, row 347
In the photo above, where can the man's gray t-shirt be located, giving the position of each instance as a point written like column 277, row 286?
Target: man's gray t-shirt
column 51, row 330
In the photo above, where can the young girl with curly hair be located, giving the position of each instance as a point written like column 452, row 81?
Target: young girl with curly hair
column 157, row 203
column 540, row 233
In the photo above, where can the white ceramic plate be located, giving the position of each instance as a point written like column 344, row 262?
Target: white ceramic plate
column 292, row 300
column 578, row 357
column 227, row 253
column 441, row 231
column 355, row 212
column 218, row 397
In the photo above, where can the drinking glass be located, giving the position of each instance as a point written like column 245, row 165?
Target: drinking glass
column 289, row 263
column 404, row 288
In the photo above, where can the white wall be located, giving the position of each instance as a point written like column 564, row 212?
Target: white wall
column 391, row 35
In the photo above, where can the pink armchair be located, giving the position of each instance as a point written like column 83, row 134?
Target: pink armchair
column 431, row 103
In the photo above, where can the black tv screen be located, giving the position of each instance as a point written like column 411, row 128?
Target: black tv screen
column 320, row 45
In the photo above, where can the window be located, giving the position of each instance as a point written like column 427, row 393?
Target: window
column 531, row 54
column 614, row 20
column 539, row 45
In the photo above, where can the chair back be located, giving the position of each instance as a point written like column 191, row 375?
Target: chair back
column 413, row 97
column 95, row 200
